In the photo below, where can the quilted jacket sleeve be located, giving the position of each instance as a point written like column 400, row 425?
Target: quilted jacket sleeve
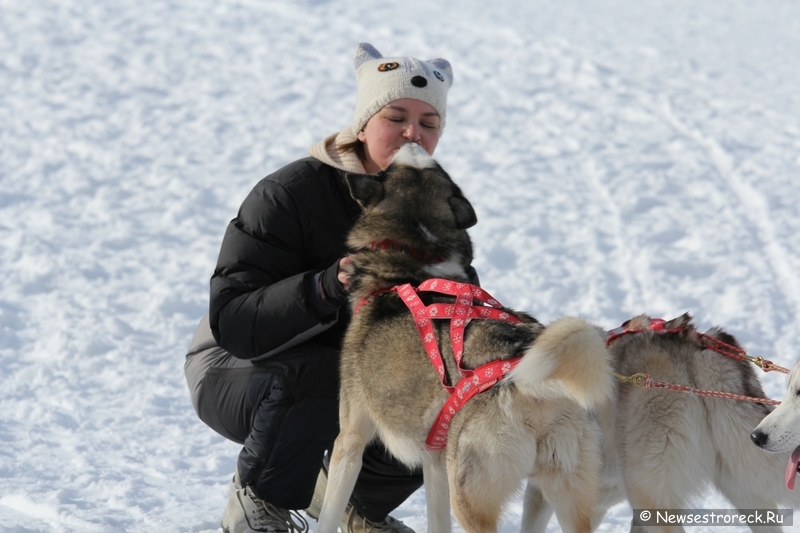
column 260, row 288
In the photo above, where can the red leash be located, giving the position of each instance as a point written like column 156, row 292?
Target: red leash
column 460, row 313
column 645, row 381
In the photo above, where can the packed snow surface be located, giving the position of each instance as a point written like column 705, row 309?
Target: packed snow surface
column 623, row 157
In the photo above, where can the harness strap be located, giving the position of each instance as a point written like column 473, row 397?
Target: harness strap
column 483, row 378
column 363, row 302
column 656, row 324
column 460, row 313
column 708, row 342
column 711, row 343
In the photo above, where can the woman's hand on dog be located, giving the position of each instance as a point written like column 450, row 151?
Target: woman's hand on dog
column 344, row 275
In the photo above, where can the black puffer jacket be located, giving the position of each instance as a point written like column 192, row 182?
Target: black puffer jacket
column 292, row 225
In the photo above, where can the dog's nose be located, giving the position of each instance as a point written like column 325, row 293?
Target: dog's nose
column 759, row 438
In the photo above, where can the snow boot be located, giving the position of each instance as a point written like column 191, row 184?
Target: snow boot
column 352, row 521
column 247, row 513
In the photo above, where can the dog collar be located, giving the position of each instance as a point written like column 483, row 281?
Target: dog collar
column 423, row 256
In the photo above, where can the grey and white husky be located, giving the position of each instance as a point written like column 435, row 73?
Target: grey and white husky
column 664, row 448
column 536, row 424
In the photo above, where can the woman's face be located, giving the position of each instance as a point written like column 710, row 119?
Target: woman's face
column 399, row 122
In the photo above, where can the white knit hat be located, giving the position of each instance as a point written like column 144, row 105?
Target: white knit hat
column 382, row 80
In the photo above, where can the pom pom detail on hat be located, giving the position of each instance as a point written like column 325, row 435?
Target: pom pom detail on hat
column 382, row 80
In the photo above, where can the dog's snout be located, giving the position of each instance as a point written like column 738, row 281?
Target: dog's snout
column 759, row 438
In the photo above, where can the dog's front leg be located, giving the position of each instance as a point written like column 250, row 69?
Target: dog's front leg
column 437, row 492
column 346, row 459
column 536, row 512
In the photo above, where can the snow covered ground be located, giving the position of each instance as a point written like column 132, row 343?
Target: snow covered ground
column 625, row 156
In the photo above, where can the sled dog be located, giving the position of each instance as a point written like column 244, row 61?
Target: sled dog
column 664, row 448
column 537, row 423
column 780, row 430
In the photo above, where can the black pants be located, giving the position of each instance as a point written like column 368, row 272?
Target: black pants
column 284, row 410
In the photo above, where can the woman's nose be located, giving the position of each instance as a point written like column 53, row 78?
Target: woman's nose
column 412, row 133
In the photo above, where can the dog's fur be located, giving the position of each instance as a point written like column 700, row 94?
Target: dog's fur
column 664, row 448
column 537, row 423
column 780, row 431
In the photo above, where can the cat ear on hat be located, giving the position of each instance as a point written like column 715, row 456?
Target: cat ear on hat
column 443, row 68
column 366, row 52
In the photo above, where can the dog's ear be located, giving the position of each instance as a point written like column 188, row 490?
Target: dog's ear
column 683, row 321
column 463, row 211
column 638, row 322
column 366, row 189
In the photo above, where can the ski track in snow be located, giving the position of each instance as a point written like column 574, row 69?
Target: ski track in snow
column 623, row 158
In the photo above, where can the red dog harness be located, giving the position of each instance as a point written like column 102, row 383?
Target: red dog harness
column 460, row 313
column 656, row 324
column 707, row 342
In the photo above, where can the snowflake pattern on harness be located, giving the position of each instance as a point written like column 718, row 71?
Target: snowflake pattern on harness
column 472, row 382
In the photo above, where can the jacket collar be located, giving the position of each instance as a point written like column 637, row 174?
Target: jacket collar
column 327, row 151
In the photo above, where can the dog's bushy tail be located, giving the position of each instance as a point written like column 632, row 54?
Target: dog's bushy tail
column 573, row 352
